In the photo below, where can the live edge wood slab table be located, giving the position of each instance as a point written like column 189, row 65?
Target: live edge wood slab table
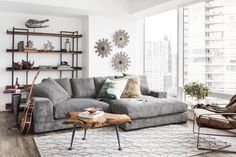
column 107, row 119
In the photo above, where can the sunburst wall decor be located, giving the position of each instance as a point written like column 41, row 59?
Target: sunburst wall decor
column 103, row 47
column 121, row 38
column 121, row 61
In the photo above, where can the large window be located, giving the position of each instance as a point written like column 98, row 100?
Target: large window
column 210, row 44
column 161, row 51
column 207, row 53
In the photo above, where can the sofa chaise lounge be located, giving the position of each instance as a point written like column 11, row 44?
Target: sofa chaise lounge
column 150, row 109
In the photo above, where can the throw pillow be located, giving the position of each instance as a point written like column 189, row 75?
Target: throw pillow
column 144, row 87
column 132, row 88
column 50, row 89
column 112, row 89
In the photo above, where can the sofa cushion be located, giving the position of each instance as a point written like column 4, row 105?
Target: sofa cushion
column 50, row 89
column 77, row 104
column 65, row 83
column 83, row 88
column 112, row 89
column 144, row 87
column 146, row 106
column 98, row 82
column 132, row 88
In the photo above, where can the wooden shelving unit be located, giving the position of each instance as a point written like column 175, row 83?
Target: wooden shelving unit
column 19, row 32
column 73, row 36
column 43, row 52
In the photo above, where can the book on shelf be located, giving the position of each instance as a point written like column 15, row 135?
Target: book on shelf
column 29, row 49
column 86, row 114
column 12, row 90
column 64, row 67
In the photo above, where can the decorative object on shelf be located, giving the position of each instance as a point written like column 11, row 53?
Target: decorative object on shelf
column 103, row 47
column 48, row 46
column 92, row 110
column 27, row 64
column 121, row 38
column 29, row 47
column 45, row 67
column 196, row 90
column 17, row 65
column 121, row 61
column 30, row 44
column 32, row 23
column 67, row 45
column 64, row 66
column 17, row 85
column 21, row 46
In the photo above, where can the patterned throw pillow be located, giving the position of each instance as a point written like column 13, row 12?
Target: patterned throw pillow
column 112, row 89
column 132, row 88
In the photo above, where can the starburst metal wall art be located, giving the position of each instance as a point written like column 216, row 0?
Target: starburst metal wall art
column 121, row 38
column 103, row 47
column 121, row 61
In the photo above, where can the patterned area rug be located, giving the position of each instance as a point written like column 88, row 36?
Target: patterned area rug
column 164, row 141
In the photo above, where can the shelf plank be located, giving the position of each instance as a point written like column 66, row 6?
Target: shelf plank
column 44, row 34
column 43, row 52
column 37, row 68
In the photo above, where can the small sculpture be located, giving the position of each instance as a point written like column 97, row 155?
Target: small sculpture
column 17, row 65
column 21, row 46
column 32, row 23
column 121, row 61
column 27, row 65
column 67, row 45
column 48, row 46
column 103, row 47
column 30, row 44
column 121, row 38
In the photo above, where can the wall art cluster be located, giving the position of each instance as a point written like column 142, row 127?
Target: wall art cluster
column 120, row 60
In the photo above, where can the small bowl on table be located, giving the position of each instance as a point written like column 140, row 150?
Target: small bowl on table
column 92, row 110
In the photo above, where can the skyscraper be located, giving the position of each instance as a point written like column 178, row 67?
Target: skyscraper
column 210, row 44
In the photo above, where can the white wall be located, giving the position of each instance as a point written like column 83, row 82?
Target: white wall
column 8, row 20
column 104, row 27
column 92, row 28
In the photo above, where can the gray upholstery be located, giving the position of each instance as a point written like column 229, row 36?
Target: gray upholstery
column 155, row 121
column 65, row 83
column 51, row 105
column 144, row 87
column 98, row 81
column 150, row 107
column 50, row 126
column 77, row 104
column 43, row 110
column 158, row 94
column 50, row 89
column 83, row 88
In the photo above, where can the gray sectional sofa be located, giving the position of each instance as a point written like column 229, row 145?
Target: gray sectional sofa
column 150, row 109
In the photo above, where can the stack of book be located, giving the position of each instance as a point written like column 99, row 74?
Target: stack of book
column 64, row 67
column 12, row 90
column 87, row 114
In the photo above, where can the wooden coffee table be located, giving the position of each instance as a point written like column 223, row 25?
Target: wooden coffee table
column 108, row 119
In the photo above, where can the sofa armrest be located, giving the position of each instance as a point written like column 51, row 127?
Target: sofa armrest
column 43, row 110
column 158, row 94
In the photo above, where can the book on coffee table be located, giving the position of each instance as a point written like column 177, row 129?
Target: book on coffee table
column 86, row 114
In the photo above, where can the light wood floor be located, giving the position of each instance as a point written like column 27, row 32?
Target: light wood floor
column 13, row 144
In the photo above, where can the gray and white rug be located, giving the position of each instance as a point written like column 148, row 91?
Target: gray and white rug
column 163, row 141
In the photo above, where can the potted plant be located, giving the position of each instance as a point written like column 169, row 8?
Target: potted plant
column 196, row 90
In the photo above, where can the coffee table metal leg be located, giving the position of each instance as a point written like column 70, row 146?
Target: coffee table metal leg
column 85, row 131
column 117, row 134
column 72, row 138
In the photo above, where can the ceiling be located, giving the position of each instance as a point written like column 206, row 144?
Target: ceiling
column 77, row 8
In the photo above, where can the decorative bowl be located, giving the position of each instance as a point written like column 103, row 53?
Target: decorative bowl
column 92, row 110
